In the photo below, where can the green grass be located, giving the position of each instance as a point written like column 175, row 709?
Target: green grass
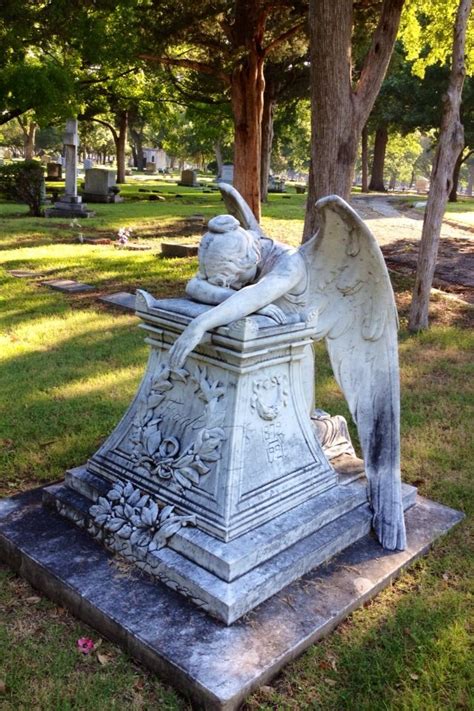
column 68, row 368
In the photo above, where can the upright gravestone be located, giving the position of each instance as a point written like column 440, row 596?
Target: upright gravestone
column 227, row 174
column 54, row 171
column 70, row 204
column 188, row 178
column 88, row 163
column 100, row 186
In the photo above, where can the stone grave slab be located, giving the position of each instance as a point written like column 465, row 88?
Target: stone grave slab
column 122, row 300
column 68, row 286
column 175, row 249
column 216, row 665
column 25, row 274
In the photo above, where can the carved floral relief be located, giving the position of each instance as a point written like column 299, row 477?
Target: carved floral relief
column 166, row 457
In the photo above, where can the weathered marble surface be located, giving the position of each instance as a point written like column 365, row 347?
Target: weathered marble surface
column 226, row 579
column 217, row 666
column 226, row 438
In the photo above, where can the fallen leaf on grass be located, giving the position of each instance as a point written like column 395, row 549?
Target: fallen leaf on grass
column 415, row 677
column 33, row 600
column 330, row 682
column 3, row 686
column 104, row 659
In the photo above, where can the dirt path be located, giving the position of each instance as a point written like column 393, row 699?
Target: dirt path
column 398, row 232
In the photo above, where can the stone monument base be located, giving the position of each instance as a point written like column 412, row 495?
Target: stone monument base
column 227, row 580
column 215, row 665
column 67, row 207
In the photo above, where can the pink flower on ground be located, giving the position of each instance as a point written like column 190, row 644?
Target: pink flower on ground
column 85, row 645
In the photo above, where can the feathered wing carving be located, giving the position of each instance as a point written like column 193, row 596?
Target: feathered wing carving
column 237, row 206
column 351, row 290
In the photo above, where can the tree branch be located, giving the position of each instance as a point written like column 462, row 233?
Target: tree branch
column 6, row 116
column 192, row 64
column 286, row 35
column 104, row 123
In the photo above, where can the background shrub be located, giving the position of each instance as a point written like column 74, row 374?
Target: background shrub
column 24, row 182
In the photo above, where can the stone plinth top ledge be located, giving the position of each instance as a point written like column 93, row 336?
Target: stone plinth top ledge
column 175, row 314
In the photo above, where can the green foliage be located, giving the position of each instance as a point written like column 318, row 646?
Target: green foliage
column 426, row 31
column 24, row 182
column 402, row 154
column 292, row 128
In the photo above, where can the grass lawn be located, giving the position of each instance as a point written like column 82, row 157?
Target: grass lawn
column 68, row 368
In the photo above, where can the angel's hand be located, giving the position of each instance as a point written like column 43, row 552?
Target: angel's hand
column 186, row 343
column 274, row 312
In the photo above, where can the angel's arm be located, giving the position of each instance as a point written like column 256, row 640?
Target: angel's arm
column 286, row 274
column 204, row 292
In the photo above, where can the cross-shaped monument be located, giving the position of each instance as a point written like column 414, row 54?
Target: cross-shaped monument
column 70, row 204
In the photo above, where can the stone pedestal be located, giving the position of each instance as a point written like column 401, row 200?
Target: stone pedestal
column 214, row 481
column 69, row 206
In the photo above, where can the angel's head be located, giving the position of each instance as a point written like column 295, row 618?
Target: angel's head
column 228, row 255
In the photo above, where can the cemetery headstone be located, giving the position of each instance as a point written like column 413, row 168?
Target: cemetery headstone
column 100, row 186
column 276, row 185
column 150, row 167
column 227, row 175
column 188, row 178
column 88, row 163
column 70, row 204
column 54, row 171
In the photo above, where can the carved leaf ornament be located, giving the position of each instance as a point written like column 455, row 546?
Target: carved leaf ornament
column 127, row 513
column 163, row 457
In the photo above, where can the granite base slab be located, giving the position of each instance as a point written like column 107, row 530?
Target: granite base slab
column 121, row 300
column 215, row 665
column 229, row 580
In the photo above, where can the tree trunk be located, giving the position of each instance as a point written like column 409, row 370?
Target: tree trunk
column 247, row 89
column 137, row 148
column 120, row 139
column 453, row 195
column 392, row 182
column 267, row 139
column 29, row 135
column 218, row 155
column 365, row 160
column 378, row 163
column 470, row 179
column 340, row 112
column 451, row 141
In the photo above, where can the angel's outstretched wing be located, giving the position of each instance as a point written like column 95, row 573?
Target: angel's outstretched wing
column 350, row 288
column 237, row 207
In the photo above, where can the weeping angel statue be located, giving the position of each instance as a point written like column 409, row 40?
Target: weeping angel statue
column 340, row 274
